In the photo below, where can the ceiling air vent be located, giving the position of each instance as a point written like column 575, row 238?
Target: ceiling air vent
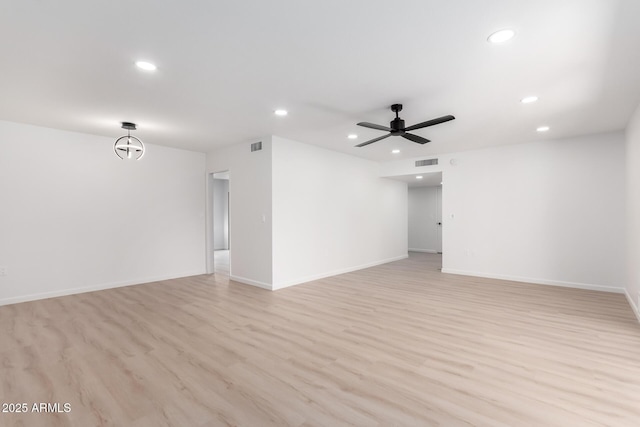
column 256, row 146
column 428, row 162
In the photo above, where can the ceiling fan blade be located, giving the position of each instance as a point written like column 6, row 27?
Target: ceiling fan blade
column 415, row 138
column 374, row 126
column 429, row 123
column 373, row 140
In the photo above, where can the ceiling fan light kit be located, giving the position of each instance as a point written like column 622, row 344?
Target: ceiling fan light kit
column 397, row 127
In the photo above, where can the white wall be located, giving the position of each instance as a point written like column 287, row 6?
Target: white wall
column 220, row 214
column 332, row 213
column 74, row 217
column 633, row 211
column 424, row 204
column 249, row 210
column 545, row 212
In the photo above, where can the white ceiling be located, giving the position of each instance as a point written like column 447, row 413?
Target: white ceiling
column 429, row 179
column 224, row 66
column 221, row 175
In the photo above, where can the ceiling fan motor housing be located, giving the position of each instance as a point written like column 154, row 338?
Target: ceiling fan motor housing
column 397, row 125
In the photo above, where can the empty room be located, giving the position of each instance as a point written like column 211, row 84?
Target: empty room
column 305, row 213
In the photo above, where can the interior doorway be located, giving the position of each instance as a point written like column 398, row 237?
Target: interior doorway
column 221, row 231
column 425, row 226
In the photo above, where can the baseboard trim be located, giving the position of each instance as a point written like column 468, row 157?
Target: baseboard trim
column 428, row 251
column 577, row 285
column 311, row 278
column 94, row 288
column 634, row 307
column 251, row 282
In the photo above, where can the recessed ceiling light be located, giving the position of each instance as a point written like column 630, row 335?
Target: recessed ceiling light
column 543, row 128
column 441, row 182
column 396, row 151
column 501, row 36
column 352, row 136
column 281, row 112
column 147, row 66
column 419, row 177
column 529, row 99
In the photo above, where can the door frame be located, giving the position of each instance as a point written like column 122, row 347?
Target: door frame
column 210, row 242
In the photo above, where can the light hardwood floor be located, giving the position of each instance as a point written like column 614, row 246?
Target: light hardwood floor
column 395, row 345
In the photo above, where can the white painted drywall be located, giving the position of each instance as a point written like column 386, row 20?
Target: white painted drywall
column 544, row 212
column 249, row 210
column 332, row 213
column 633, row 210
column 220, row 214
column 74, row 217
column 423, row 205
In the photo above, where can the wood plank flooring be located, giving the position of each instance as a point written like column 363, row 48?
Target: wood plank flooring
column 395, row 345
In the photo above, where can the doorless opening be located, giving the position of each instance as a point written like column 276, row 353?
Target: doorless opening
column 221, row 236
column 425, row 217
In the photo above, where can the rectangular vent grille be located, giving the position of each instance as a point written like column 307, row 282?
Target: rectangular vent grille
column 256, row 146
column 428, row 162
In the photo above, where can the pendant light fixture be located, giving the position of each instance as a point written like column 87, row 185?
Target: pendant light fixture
column 129, row 147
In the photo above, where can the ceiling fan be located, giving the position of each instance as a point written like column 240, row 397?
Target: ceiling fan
column 396, row 127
